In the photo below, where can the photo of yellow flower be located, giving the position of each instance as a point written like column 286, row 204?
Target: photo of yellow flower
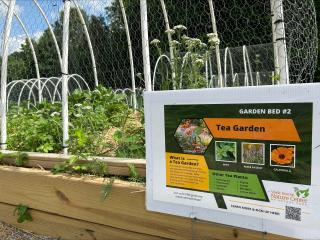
column 282, row 155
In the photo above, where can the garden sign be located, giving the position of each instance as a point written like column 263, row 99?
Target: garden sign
column 247, row 157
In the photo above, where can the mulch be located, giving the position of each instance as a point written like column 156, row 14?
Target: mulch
column 8, row 232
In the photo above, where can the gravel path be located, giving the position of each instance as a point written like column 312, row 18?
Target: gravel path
column 8, row 232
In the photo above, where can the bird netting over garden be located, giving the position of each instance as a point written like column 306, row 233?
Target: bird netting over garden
column 244, row 28
column 50, row 48
column 258, row 41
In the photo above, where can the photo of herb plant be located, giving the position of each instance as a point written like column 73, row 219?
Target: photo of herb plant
column 226, row 151
column 253, row 153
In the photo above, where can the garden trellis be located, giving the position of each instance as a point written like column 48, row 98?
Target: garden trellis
column 80, row 44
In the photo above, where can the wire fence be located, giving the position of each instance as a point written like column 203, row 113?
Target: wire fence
column 254, row 38
column 105, row 40
column 193, row 44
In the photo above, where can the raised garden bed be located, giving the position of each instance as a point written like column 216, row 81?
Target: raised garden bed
column 71, row 207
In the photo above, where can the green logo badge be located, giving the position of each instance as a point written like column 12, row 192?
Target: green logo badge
column 301, row 193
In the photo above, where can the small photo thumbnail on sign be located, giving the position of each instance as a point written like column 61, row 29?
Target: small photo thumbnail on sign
column 226, row 151
column 282, row 155
column 193, row 136
column 253, row 153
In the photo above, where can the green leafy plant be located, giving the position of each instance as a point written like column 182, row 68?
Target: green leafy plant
column 130, row 139
column 106, row 188
column 276, row 77
column 91, row 113
column 35, row 129
column 225, row 151
column 21, row 158
column 23, row 213
column 82, row 165
column 134, row 176
column 129, row 145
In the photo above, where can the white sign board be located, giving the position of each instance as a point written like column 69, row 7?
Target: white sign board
column 247, row 157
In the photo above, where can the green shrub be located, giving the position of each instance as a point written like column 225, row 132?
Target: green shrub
column 91, row 114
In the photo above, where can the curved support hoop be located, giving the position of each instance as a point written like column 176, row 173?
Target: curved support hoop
column 73, row 77
column 127, row 90
column 145, row 44
column 117, row 91
column 184, row 60
column 31, row 92
column 212, row 81
column 82, row 79
column 15, row 82
column 123, row 91
column 31, row 46
column 53, row 81
column 22, row 89
column 53, row 85
column 166, row 20
column 133, row 80
column 11, row 86
column 4, row 73
column 210, row 68
column 273, row 73
column 155, row 68
column 51, row 31
column 48, row 91
column 247, row 64
column 227, row 53
column 215, row 31
column 56, row 88
column 129, row 96
column 93, row 59
column 207, row 68
column 41, row 90
column 235, row 78
column 258, row 81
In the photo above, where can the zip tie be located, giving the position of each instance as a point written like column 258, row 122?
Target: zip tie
column 279, row 21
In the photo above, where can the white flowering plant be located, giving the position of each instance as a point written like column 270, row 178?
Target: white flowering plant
column 190, row 58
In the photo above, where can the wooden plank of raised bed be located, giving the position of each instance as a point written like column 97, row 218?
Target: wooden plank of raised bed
column 116, row 166
column 67, row 228
column 124, row 208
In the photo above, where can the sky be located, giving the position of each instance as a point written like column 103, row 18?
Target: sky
column 33, row 20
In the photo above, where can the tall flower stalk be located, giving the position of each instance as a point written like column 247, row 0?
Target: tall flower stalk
column 189, row 59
